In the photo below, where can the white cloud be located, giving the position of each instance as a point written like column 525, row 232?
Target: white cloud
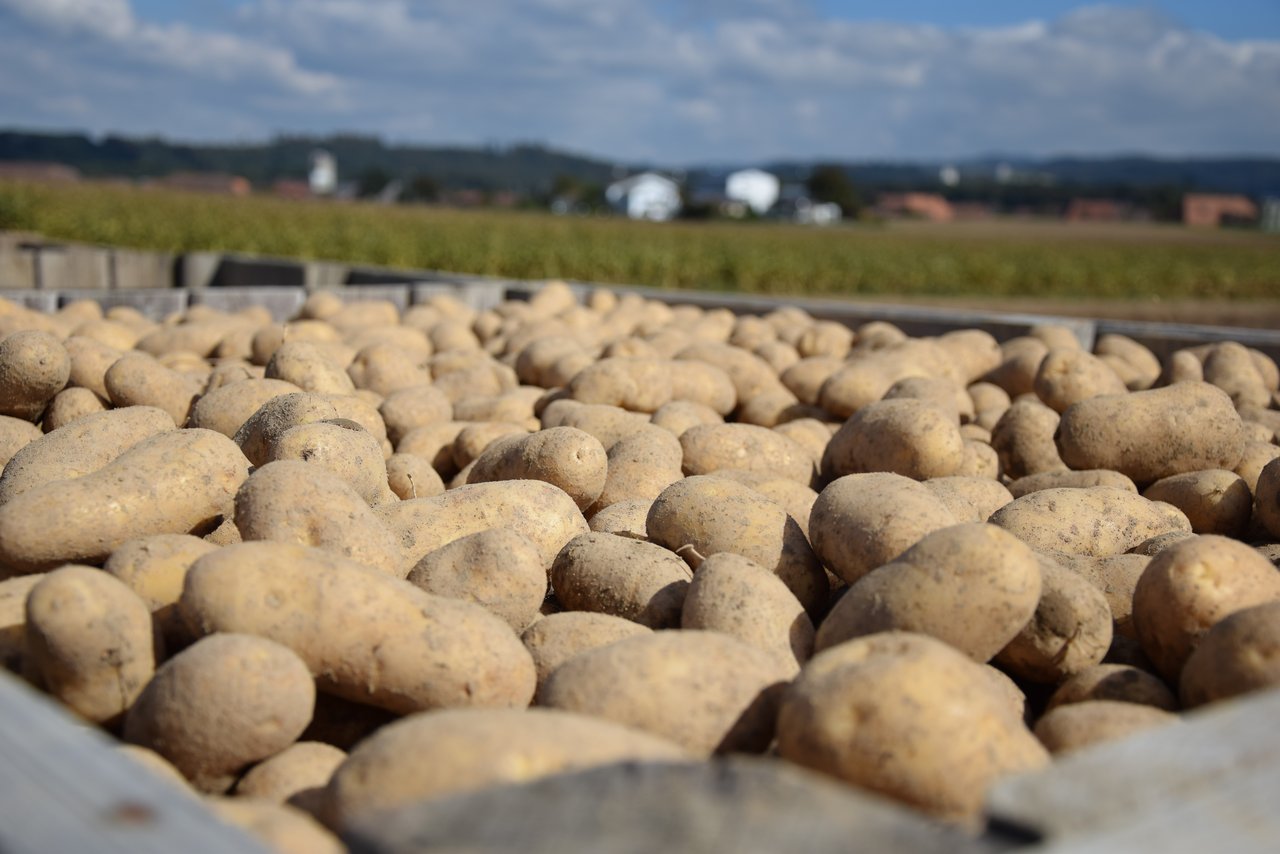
column 677, row 81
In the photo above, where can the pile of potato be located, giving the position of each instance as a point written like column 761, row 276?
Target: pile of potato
column 317, row 569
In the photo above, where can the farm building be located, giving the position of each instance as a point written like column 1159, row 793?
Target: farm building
column 647, row 195
column 1209, row 210
column 928, row 206
column 755, row 188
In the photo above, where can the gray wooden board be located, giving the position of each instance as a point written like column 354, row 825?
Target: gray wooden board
column 739, row 805
column 282, row 302
column 1211, row 783
column 63, row 789
column 156, row 303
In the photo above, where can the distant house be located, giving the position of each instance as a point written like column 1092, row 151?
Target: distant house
column 208, row 182
column 928, row 206
column 647, row 195
column 40, row 171
column 323, row 176
column 1097, row 210
column 1208, row 210
column 754, row 188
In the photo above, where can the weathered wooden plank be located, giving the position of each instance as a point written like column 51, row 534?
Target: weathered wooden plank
column 282, row 302
column 740, row 805
column 1209, row 784
column 62, row 788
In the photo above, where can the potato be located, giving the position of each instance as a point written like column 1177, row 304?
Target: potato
column 412, row 407
column 410, row 476
column 289, row 501
column 566, row 457
column 137, row 379
column 908, row 717
column 945, row 394
column 739, row 597
column 989, row 403
column 88, row 642
column 713, row 515
column 341, row 447
column 296, row 775
column 1231, row 367
column 498, row 569
column 749, row 373
column 639, row 466
column 173, row 483
column 1020, row 362
column 447, row 753
column 34, row 367
column 154, row 568
column 69, row 405
column 868, row 374
column 706, row 691
column 1191, row 586
column 1077, row 725
column 804, row 379
column 625, row 518
column 862, row 521
column 606, row 423
column 1236, row 656
column 385, row 368
column 225, row 702
column 1266, row 497
column 907, row 437
column 112, row 333
column 280, row 827
column 970, row 499
column 226, row 408
column 744, row 446
column 1148, row 435
column 366, row 637
column 1117, row 577
column 258, row 434
column 973, row 586
column 156, row 765
column 197, row 335
column 306, row 365
column 1070, row 631
column 475, row 437
column 556, row 638
column 636, row 385
column 1069, row 375
column 679, row 415
column 1066, row 479
column 974, row 351
column 1141, row 367
column 1117, row 682
column 13, row 619
column 1215, row 501
column 1097, row 521
column 622, row 577
column 535, row 361
column 16, row 434
column 702, row 383
column 1023, row 440
column 542, row 512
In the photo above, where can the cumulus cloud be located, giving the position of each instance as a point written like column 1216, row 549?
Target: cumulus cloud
column 676, row 82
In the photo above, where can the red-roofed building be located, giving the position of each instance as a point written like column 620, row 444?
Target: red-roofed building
column 1209, row 210
column 928, row 206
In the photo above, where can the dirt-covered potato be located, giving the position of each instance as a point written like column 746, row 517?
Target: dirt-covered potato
column 34, row 366
column 862, row 521
column 367, row 637
column 290, row 501
column 947, row 395
column 307, row 366
column 1239, row 654
column 606, row 423
column 736, row 596
column 744, row 446
column 625, row 518
column 908, row 717
column 411, row 476
column 80, row 449
column 1215, row 501
column 1117, row 577
column 1069, row 632
column 970, row 499
column 176, row 482
column 1191, row 586
column 638, row 467
column 343, row 448
column 556, row 638
column 226, row 408
column 13, row 619
column 225, row 702
column 566, row 457
column 706, row 691
column 1148, row 435
column 1066, row 479
column 155, row 568
column 90, row 360
column 296, row 775
column 498, row 569
column 1266, row 498
column 1077, row 725
column 1069, row 375
column 437, row 754
column 906, row 436
column 973, row 586
column 1121, row 683
column 137, row 379
column 1135, row 363
column 69, row 405
column 1097, row 521
column 1019, row 363
column 89, row 642
column 711, row 514
column 542, row 512
column 623, row 577
column 16, row 434
column 385, row 368
column 1023, row 440
column 258, row 434
column 636, row 385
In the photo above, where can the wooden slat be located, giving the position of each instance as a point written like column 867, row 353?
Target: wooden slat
column 1211, row 783
column 64, row 789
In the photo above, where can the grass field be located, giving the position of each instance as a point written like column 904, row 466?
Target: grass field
column 989, row 259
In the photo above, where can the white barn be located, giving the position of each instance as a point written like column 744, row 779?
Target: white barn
column 645, row 196
column 755, row 188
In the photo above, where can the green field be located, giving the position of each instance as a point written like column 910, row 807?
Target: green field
column 992, row 259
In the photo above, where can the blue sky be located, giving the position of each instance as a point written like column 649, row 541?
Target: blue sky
column 675, row 82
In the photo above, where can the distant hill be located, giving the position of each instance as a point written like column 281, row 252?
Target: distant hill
column 525, row 168
column 532, row 169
